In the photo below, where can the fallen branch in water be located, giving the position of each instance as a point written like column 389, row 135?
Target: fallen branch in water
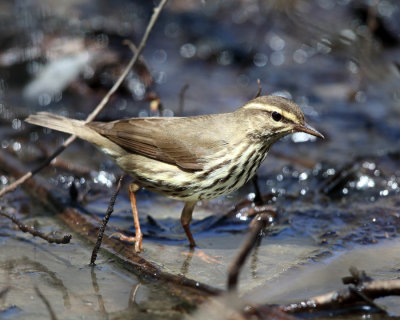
column 36, row 233
column 362, row 289
column 99, row 107
column 109, row 211
column 360, row 292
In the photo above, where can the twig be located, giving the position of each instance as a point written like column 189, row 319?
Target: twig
column 182, row 99
column 70, row 166
column 46, row 303
column 64, row 164
column 99, row 107
column 141, row 67
column 365, row 291
column 258, row 197
column 259, row 89
column 109, row 211
column 25, row 228
column 143, row 71
column 259, row 223
column 142, row 44
column 367, row 300
column 357, row 277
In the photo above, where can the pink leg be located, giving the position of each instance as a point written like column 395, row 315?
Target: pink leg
column 186, row 218
column 138, row 238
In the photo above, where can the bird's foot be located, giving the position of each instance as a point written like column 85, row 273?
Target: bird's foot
column 138, row 240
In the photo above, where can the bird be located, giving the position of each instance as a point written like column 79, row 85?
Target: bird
column 188, row 158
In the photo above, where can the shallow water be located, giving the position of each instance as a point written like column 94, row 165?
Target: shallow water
column 337, row 199
column 73, row 288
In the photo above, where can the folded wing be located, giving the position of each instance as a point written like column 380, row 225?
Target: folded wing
column 184, row 142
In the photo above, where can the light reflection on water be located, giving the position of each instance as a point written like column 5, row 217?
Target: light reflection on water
column 320, row 67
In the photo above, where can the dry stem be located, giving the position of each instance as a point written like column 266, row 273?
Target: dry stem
column 110, row 210
column 25, row 228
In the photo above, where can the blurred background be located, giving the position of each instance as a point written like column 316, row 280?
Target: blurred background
column 337, row 199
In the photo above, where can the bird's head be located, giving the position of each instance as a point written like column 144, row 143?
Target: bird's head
column 273, row 117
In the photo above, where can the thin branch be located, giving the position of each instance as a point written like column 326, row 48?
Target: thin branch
column 141, row 67
column 99, row 107
column 367, row 300
column 25, row 228
column 46, row 303
column 258, row 197
column 258, row 224
column 364, row 292
column 356, row 277
column 142, row 44
column 259, row 89
column 109, row 211
column 182, row 99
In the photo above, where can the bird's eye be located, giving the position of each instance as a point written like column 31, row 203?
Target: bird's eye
column 276, row 116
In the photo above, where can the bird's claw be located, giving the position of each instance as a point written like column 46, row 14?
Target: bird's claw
column 138, row 240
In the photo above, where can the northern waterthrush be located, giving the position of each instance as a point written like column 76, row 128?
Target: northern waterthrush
column 189, row 158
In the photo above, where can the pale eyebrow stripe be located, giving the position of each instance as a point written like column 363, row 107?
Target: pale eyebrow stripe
column 271, row 108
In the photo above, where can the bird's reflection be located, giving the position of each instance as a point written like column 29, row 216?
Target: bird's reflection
column 186, row 262
column 132, row 307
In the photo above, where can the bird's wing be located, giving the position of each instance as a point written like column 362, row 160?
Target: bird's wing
column 184, row 142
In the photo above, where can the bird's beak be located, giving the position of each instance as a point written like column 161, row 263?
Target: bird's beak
column 308, row 129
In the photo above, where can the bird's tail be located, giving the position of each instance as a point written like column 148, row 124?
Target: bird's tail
column 55, row 122
column 78, row 128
